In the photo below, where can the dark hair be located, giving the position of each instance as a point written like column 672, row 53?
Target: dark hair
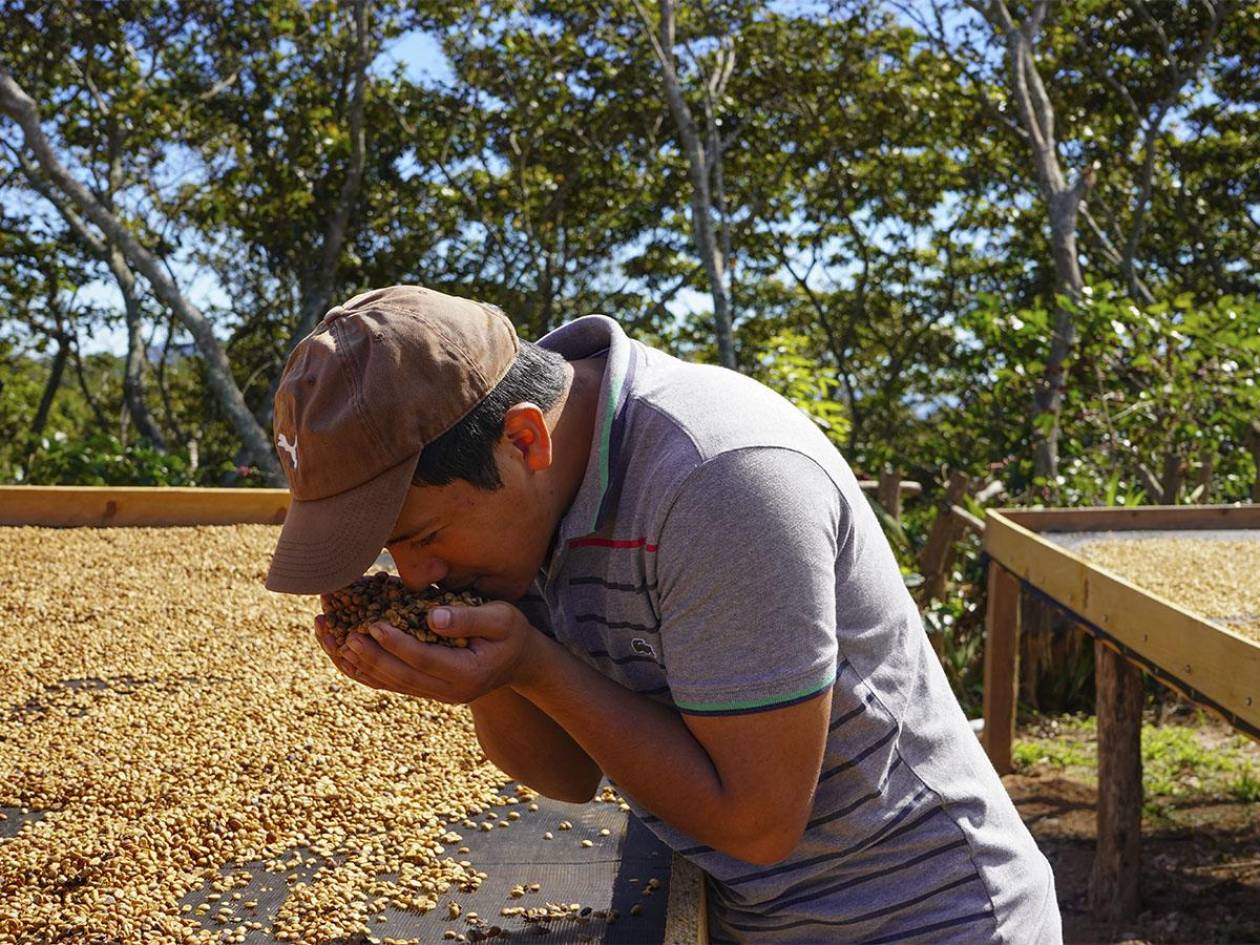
column 466, row 450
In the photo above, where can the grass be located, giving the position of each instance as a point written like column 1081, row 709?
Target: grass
column 1179, row 762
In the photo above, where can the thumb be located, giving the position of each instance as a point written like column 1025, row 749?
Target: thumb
column 445, row 622
column 463, row 620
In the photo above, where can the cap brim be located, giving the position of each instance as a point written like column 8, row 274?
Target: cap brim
column 327, row 543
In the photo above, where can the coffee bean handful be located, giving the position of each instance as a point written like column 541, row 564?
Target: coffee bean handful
column 382, row 596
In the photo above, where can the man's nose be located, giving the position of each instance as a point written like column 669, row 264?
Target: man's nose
column 419, row 573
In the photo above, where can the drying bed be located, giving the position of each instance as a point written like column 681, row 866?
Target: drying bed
column 1202, row 571
column 1165, row 619
column 180, row 762
column 1163, row 590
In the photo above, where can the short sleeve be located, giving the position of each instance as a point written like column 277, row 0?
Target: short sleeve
column 746, row 572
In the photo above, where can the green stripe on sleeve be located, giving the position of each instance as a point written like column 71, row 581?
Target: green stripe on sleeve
column 745, row 705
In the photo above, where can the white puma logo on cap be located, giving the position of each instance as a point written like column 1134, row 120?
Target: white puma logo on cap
column 282, row 441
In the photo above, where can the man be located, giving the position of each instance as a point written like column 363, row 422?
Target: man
column 692, row 598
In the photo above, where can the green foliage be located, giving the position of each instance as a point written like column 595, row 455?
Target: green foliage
column 21, row 383
column 955, row 621
column 1177, row 378
column 1246, row 786
column 1174, row 378
column 786, row 366
column 101, row 460
column 1176, row 763
column 1179, row 762
column 1069, row 751
column 72, row 445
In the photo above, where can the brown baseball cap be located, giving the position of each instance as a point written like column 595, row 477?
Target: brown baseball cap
column 379, row 378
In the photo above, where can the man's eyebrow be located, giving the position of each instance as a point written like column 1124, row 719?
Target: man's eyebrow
column 410, row 534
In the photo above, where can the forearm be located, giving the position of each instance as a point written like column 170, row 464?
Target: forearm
column 527, row 744
column 641, row 745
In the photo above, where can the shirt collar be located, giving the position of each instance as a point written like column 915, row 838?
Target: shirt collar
column 583, row 338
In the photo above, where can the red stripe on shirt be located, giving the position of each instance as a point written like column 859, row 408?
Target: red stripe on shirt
column 611, row 543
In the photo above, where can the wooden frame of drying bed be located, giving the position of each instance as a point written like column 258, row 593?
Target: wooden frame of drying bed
column 1135, row 631
column 65, row 506
column 686, row 920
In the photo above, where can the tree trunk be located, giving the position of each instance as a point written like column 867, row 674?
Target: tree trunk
column 51, row 387
column 320, row 281
column 698, row 169
column 102, row 421
column 133, row 378
column 1063, row 202
column 21, row 108
column 65, row 346
column 1069, row 282
column 133, row 372
column 164, row 390
column 1174, row 476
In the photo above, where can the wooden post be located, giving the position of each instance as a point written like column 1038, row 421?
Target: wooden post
column 937, row 556
column 975, row 523
column 686, row 911
column 1036, row 623
column 1113, row 885
column 889, row 494
column 1253, row 446
column 908, row 486
column 991, row 490
column 1001, row 666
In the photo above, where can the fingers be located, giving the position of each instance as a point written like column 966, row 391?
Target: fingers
column 372, row 663
column 335, row 653
column 392, row 659
column 366, row 663
column 433, row 661
column 402, row 645
column 325, row 637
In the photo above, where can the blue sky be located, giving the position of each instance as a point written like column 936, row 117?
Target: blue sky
column 421, row 56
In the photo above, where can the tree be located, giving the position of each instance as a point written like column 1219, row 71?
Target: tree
column 18, row 106
column 1063, row 199
column 704, row 160
column 133, row 374
column 850, row 216
column 1078, row 61
column 279, row 101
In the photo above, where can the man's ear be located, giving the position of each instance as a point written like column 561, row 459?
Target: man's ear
column 525, row 430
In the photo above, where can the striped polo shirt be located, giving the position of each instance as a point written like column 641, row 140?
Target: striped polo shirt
column 719, row 557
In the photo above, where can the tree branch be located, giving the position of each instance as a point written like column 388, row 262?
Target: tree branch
column 15, row 103
column 1155, row 124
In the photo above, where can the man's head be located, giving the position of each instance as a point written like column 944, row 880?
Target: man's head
column 466, row 451
column 396, row 375
column 482, row 506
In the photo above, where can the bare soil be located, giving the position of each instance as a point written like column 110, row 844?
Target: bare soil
column 1200, row 878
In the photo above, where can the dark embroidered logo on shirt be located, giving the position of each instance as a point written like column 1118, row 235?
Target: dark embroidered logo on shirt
column 642, row 646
